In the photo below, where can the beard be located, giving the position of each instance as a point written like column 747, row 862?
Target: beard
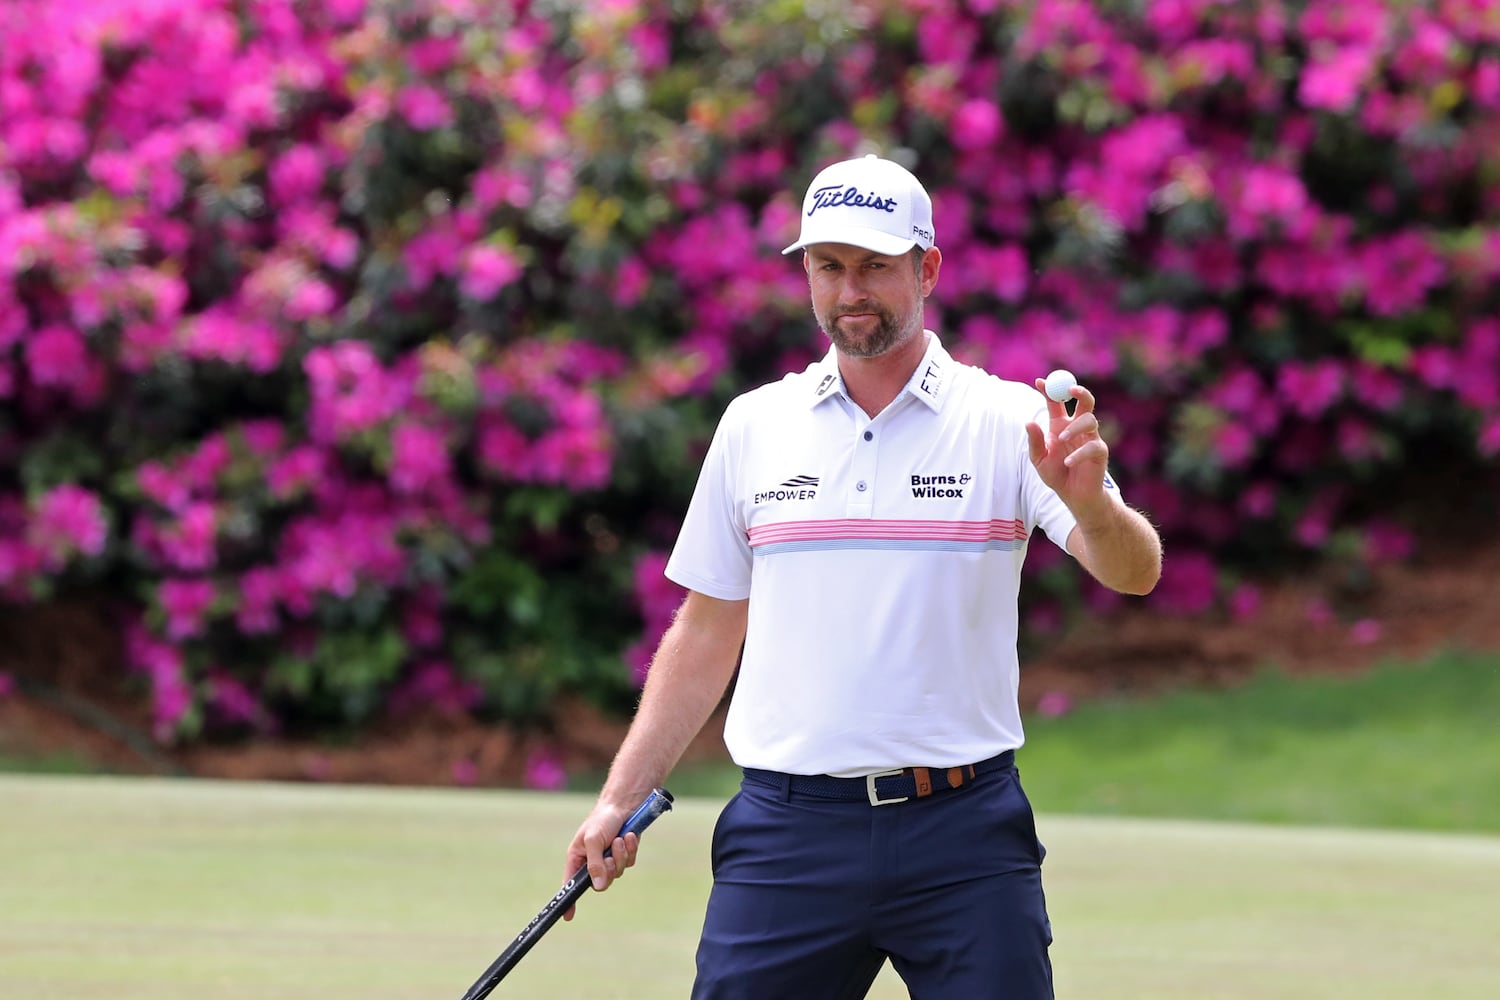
column 890, row 330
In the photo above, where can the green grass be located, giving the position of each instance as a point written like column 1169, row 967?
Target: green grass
column 155, row 889
column 132, row 888
column 1403, row 746
column 44, row 764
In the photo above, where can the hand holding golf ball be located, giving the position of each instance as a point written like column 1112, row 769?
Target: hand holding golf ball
column 1059, row 385
column 1065, row 446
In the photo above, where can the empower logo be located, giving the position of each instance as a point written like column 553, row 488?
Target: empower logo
column 797, row 488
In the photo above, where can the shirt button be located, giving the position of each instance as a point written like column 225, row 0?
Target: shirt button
column 869, row 436
column 860, row 486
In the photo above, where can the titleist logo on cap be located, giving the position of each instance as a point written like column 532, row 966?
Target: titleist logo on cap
column 871, row 203
column 836, row 195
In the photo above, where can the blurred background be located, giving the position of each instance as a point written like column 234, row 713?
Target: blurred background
column 357, row 358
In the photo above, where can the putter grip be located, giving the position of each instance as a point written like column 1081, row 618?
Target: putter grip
column 658, row 802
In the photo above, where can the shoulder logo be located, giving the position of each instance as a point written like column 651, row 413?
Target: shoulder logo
column 802, row 487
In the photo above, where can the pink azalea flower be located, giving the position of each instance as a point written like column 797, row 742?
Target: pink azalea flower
column 68, row 520
column 433, row 252
column 186, row 603
column 1317, row 611
column 297, row 175
column 259, row 590
column 1375, row 387
column 504, row 449
column 631, row 280
column 1188, row 585
column 1387, row 541
column 545, row 772
column 190, row 543
column 232, row 702
column 262, row 437
column 435, row 684
column 311, row 298
column 1489, row 437
column 1054, row 704
column 486, row 270
column 419, row 458
column 422, row 622
column 1311, row 389
column 317, row 767
column 465, row 772
column 651, row 43
column 56, row 356
column 1245, row 602
column 1044, row 618
column 494, row 186
column 171, row 700
column 1333, row 80
column 351, row 391
column 976, row 124
column 424, row 107
column 1233, row 445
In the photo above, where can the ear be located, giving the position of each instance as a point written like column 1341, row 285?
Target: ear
column 932, row 263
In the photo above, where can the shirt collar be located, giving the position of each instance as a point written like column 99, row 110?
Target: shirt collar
column 929, row 382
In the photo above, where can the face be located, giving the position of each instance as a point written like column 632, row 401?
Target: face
column 868, row 303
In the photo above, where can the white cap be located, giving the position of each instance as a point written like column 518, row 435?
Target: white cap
column 866, row 202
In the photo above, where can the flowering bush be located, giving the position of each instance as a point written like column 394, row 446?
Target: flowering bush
column 366, row 349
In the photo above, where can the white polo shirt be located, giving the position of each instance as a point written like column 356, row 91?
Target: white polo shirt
column 882, row 560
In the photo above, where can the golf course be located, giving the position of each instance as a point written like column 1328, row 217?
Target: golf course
column 133, row 888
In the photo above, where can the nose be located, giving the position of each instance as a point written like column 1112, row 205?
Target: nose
column 853, row 289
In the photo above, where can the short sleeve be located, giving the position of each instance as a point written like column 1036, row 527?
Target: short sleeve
column 712, row 553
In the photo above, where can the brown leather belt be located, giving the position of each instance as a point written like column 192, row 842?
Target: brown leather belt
column 883, row 788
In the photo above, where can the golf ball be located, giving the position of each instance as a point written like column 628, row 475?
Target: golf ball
column 1060, row 385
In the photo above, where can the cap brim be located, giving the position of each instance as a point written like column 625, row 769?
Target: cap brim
column 866, row 239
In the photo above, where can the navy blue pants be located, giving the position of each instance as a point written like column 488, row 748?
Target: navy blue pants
column 812, row 896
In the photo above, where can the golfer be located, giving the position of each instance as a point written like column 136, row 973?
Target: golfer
column 854, row 545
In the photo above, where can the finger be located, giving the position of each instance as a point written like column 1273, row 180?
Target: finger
column 1092, row 450
column 1038, row 442
column 1082, row 425
column 1054, row 408
column 599, row 871
column 618, row 860
column 632, row 847
column 625, row 850
column 572, row 862
column 1085, row 400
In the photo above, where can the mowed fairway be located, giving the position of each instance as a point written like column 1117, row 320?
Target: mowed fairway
column 137, row 889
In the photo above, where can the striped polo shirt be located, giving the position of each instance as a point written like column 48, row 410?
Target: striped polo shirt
column 882, row 559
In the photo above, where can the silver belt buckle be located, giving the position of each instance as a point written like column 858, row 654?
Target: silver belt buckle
column 875, row 799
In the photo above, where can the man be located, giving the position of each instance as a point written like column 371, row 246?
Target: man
column 860, row 528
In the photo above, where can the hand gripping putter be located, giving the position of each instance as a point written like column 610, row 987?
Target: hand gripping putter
column 658, row 802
